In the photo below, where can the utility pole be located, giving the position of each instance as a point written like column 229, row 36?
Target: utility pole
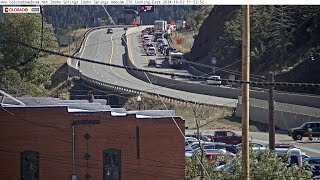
column 271, row 113
column 245, row 91
column 200, row 145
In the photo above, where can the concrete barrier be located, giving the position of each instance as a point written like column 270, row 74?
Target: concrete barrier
column 299, row 99
column 286, row 115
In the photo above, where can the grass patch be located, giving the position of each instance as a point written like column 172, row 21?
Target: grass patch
column 211, row 117
column 58, row 61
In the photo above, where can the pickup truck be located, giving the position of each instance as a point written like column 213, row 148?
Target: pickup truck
column 227, row 137
column 305, row 130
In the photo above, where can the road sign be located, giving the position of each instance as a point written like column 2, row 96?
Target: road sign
column 134, row 22
column 147, row 8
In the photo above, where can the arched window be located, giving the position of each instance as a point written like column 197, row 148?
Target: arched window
column 29, row 161
column 112, row 164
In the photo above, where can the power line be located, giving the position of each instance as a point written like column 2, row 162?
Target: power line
column 174, row 74
column 254, row 76
column 175, row 122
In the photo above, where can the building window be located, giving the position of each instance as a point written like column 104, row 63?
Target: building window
column 29, row 165
column 112, row 164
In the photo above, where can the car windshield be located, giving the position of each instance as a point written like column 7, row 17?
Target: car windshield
column 294, row 160
column 303, row 125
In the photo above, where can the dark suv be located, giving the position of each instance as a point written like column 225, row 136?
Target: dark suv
column 304, row 130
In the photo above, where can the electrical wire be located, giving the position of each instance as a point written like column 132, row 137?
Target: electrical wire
column 257, row 83
column 253, row 76
column 175, row 122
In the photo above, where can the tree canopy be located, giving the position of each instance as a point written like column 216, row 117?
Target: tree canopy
column 24, row 71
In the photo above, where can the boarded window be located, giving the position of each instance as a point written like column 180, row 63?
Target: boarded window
column 29, row 165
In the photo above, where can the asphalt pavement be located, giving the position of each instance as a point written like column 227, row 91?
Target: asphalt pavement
column 104, row 47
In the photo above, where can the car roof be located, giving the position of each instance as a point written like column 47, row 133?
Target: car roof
column 282, row 151
column 215, row 151
column 312, row 158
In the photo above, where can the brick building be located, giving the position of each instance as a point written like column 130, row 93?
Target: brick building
column 49, row 139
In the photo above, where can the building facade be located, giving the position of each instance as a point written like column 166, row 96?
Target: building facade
column 51, row 143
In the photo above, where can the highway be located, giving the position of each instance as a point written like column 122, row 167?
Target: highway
column 103, row 47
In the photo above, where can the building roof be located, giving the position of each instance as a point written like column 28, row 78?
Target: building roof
column 98, row 105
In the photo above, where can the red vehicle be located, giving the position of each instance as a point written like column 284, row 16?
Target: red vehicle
column 227, row 137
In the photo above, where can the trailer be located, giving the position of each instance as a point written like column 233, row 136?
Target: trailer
column 175, row 60
column 180, row 24
column 160, row 25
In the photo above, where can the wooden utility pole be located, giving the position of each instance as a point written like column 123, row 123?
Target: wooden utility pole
column 200, row 144
column 271, row 113
column 245, row 91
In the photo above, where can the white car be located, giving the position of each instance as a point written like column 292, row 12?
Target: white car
column 214, row 80
column 151, row 51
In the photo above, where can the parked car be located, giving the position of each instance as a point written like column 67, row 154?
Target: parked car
column 235, row 149
column 305, row 130
column 213, row 154
column 227, row 137
column 214, row 80
column 190, row 140
column 151, row 51
column 194, row 147
column 283, row 145
column 252, row 144
column 305, row 156
column 232, row 148
column 314, row 162
column 202, row 137
column 109, row 31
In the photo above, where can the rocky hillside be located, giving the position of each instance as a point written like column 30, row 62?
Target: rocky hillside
column 283, row 38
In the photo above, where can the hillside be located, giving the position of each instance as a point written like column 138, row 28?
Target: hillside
column 74, row 17
column 282, row 37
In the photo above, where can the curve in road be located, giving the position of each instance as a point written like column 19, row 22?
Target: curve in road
column 103, row 47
